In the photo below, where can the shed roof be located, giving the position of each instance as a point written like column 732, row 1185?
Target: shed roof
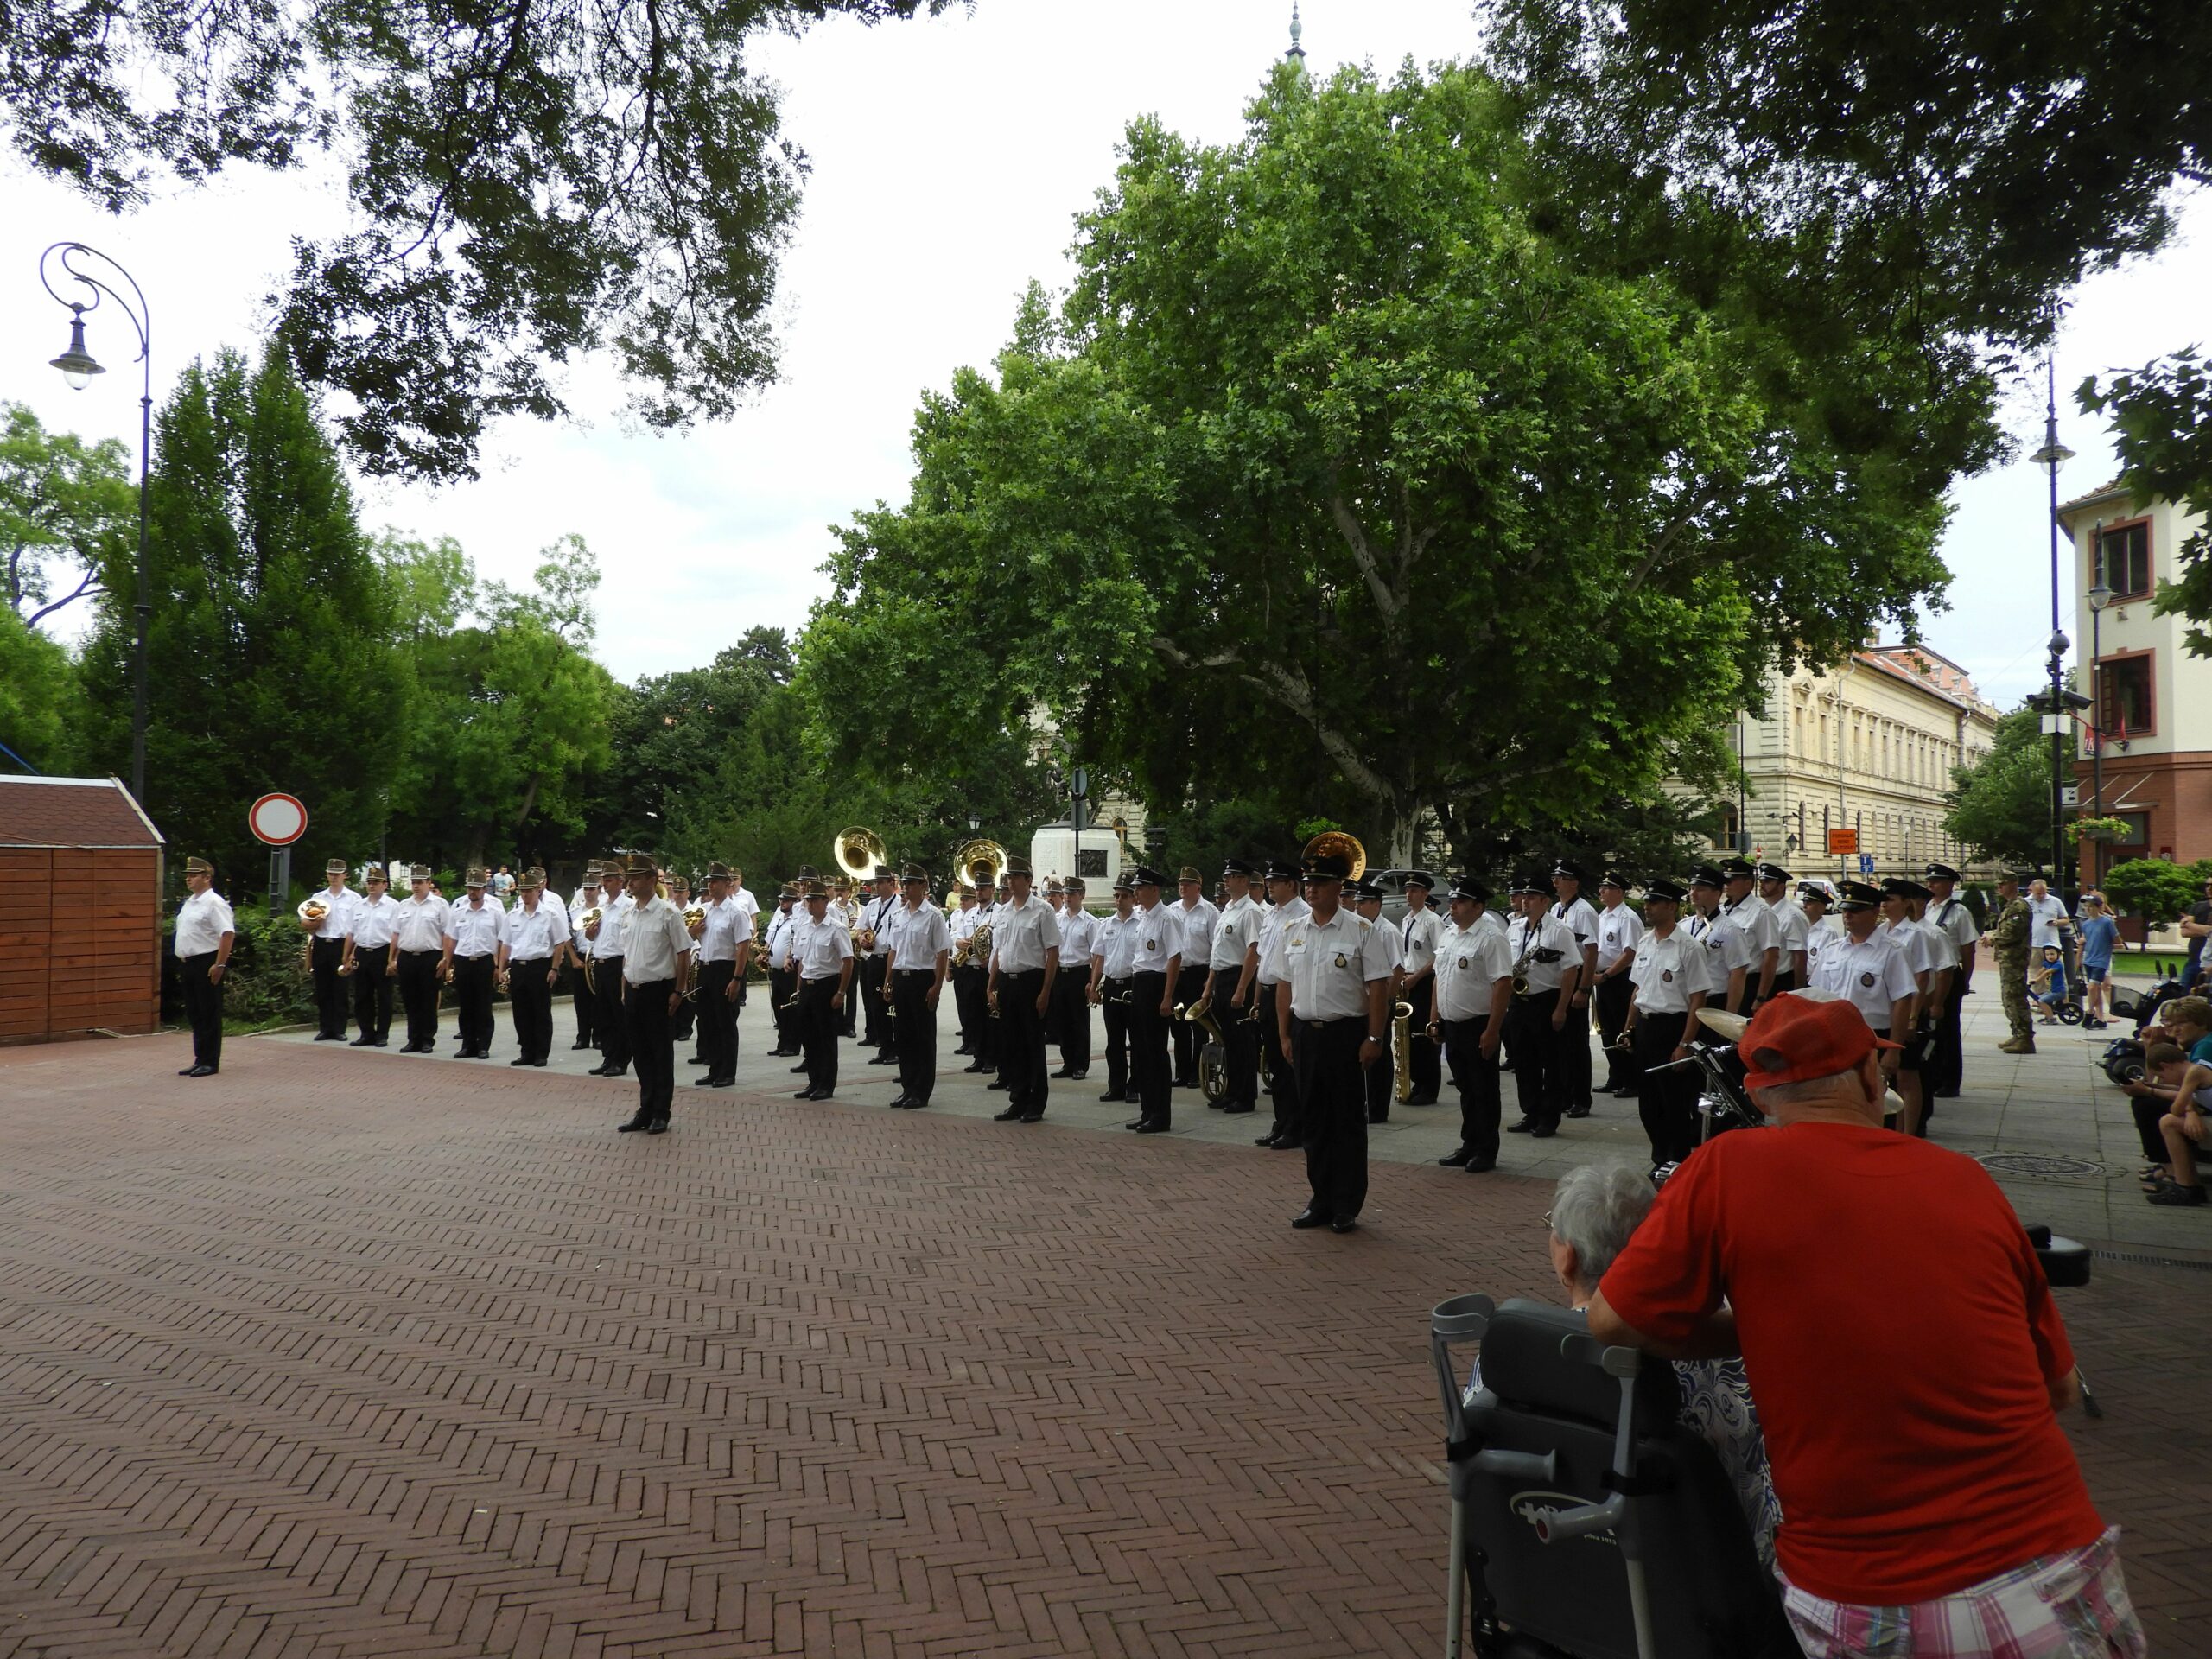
column 72, row 812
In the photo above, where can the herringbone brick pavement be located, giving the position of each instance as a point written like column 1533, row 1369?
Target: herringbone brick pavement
column 333, row 1356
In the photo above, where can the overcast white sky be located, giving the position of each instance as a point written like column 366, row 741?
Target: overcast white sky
column 949, row 157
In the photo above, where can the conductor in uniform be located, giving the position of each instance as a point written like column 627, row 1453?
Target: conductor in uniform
column 1333, row 1017
column 206, row 931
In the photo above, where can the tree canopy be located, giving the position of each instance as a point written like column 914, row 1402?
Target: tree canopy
column 2000, row 805
column 1334, row 465
column 62, row 501
column 528, row 182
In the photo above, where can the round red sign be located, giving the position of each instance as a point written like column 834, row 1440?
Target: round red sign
column 277, row 820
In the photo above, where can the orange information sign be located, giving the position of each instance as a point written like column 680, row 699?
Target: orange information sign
column 1842, row 843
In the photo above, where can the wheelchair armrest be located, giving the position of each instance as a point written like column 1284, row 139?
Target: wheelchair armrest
column 1518, row 1465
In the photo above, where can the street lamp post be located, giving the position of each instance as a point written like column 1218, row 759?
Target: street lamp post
column 78, row 366
column 2053, row 456
column 2100, row 596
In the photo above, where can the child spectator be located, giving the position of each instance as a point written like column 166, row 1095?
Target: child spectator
column 2099, row 934
column 2047, row 984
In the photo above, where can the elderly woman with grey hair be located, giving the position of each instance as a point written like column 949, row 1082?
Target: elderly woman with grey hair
column 1594, row 1209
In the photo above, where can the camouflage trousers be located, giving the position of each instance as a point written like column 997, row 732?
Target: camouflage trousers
column 2012, row 988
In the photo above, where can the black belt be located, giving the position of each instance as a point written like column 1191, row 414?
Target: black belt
column 931, row 972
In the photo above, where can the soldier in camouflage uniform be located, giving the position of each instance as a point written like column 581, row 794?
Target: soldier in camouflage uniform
column 2008, row 938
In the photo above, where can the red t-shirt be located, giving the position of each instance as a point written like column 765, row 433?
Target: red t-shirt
column 1899, row 1338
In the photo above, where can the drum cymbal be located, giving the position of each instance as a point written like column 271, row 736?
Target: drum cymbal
column 1723, row 1024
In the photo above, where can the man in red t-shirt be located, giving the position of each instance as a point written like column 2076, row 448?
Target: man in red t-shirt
column 1906, row 1355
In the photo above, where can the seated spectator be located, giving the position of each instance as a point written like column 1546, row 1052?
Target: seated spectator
column 1937, row 1509
column 2182, row 1128
column 2149, row 1098
column 1594, row 1210
column 2047, row 984
column 2100, row 936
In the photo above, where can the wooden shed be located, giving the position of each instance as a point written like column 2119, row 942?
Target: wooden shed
column 81, row 910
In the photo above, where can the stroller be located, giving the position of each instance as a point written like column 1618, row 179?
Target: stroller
column 2122, row 1060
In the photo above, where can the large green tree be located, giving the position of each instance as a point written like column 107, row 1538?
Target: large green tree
column 271, row 651
column 39, row 699
column 2162, row 424
column 528, row 182
column 1332, row 460
column 510, row 718
column 2000, row 805
column 63, row 502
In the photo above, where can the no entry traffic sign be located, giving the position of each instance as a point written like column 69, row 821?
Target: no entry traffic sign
column 277, row 820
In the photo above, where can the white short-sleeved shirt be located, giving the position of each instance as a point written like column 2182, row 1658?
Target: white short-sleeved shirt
column 1749, row 916
column 1543, row 952
column 1942, row 952
column 1956, row 920
column 1620, row 930
column 1581, row 920
column 1730, row 948
column 1420, row 932
column 1235, row 934
column 475, row 930
column 1078, row 939
column 1329, row 965
column 1271, row 929
column 1198, row 923
column 375, row 921
column 1911, row 943
column 534, row 934
column 1790, row 928
column 1470, row 961
column 1872, row 972
column 1020, row 937
column 201, row 921
column 874, row 915
column 1115, row 946
column 914, row 937
column 1819, row 937
column 654, row 937
column 1668, row 972
column 337, row 912
column 2047, row 913
column 822, row 948
column 1386, row 931
column 1159, row 939
column 422, row 923
column 727, row 927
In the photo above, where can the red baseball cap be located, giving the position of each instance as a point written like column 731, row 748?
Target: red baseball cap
column 1794, row 1038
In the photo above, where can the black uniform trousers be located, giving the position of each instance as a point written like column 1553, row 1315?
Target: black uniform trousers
column 685, row 1019
column 651, row 1043
column 586, row 1004
column 1475, row 1079
column 1426, row 1064
column 1148, row 1072
column 323, row 957
column 529, row 1005
column 1325, row 1056
column 984, row 1039
column 914, row 1029
column 868, row 974
column 372, row 992
column 1571, row 1056
column 782, row 991
column 418, row 995
column 1666, row 1101
column 718, row 1021
column 1380, row 1076
column 1282, row 1074
column 1021, row 1039
column 1240, row 1040
column 1537, row 1070
column 472, row 996
column 1190, row 986
column 1070, row 1020
column 1612, row 1001
column 610, row 1025
column 818, row 1028
column 1113, row 1001
column 203, row 1005
column 1943, row 1079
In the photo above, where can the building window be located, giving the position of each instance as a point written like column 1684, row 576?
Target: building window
column 2125, row 556
column 2138, row 833
column 2125, row 706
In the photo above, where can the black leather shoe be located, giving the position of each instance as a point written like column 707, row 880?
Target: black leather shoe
column 659, row 1126
column 723, row 1083
column 1154, row 1127
column 820, row 1094
column 797, row 1069
column 201, row 1071
column 581, row 1042
column 1481, row 1165
column 999, row 1083
column 695, row 1059
column 633, row 1126
column 885, row 1059
column 185, row 1071
column 381, row 1042
column 518, row 1062
column 1237, row 1108
column 1309, row 1217
column 1007, row 1115
column 1344, row 1223
column 702, row 1083
column 1267, row 1140
column 1526, row 1126
column 1064, row 1073
column 358, row 1042
column 1288, row 1143
column 1543, row 1132
column 1456, row 1159
column 538, row 1063
column 1077, row 1077
column 1578, row 1111
column 1133, row 1124
column 1031, row 1117
column 326, row 1037
column 977, row 1066
column 917, row 1105
column 1186, row 1083
column 802, row 1094
column 1111, row 1094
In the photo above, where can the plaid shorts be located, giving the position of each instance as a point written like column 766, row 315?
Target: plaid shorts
column 2069, row 1606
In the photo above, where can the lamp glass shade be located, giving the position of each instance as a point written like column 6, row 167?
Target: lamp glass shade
column 77, row 364
column 2100, row 596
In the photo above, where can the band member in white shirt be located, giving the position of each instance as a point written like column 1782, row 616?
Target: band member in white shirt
column 1154, row 966
column 1418, row 933
column 1112, row 948
column 584, row 998
column 531, row 956
column 1474, row 992
column 420, row 933
column 1570, row 907
column 821, row 952
column 1230, row 991
column 656, row 975
column 1071, row 1023
column 371, row 958
column 874, row 952
column 782, row 977
column 1198, row 916
column 1619, row 931
column 475, row 928
column 1946, row 910
column 919, row 952
column 609, row 1024
column 1025, row 961
column 1546, row 967
column 1334, row 1015
column 324, row 917
column 206, row 930
column 1673, row 977
column 724, row 936
column 1366, row 900
column 1264, row 974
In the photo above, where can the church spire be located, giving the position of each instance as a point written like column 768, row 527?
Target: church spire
column 1297, row 52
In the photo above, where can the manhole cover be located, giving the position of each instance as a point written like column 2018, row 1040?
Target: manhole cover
column 2032, row 1163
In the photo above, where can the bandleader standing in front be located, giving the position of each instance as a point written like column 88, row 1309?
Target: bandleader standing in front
column 205, row 932
column 821, row 954
column 1025, row 961
column 655, row 974
column 1333, row 1017
column 920, row 941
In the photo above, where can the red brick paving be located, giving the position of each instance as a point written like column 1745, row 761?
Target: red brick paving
column 334, row 1357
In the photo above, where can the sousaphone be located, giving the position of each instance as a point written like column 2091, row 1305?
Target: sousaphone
column 858, row 852
column 1342, row 844
column 974, row 853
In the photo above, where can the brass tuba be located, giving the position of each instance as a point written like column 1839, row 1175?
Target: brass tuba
column 974, row 853
column 1213, row 1054
column 858, row 851
column 1343, row 844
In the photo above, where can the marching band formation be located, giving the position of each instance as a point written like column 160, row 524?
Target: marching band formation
column 1290, row 981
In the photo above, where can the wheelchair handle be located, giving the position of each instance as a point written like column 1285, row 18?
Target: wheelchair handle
column 1582, row 1520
